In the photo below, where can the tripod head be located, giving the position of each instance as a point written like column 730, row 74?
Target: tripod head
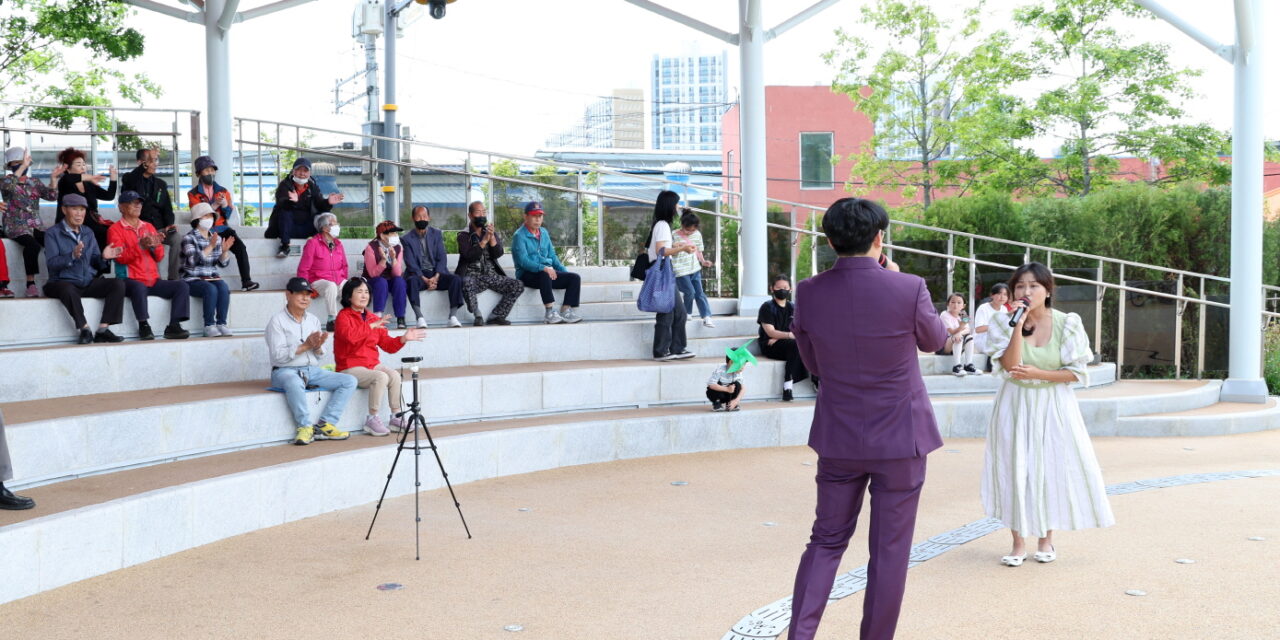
column 412, row 361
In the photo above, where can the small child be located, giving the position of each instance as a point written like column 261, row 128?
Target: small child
column 960, row 343
column 688, row 269
column 724, row 387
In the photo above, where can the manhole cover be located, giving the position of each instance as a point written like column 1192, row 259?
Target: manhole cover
column 679, row 483
column 770, row 524
column 524, row 509
column 513, row 627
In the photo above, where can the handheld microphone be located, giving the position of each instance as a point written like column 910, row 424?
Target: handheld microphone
column 1019, row 312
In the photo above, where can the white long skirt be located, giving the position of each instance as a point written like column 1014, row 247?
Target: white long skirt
column 1041, row 473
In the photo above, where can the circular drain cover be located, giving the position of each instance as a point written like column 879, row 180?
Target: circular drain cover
column 513, row 627
column 679, row 483
column 1257, row 538
column 770, row 524
column 1185, row 561
column 1135, row 592
column 524, row 509
column 390, row 586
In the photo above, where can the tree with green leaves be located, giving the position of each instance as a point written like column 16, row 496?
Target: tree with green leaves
column 1112, row 97
column 42, row 40
column 919, row 91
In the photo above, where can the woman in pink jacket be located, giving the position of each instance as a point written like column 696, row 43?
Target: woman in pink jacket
column 324, row 263
column 384, row 271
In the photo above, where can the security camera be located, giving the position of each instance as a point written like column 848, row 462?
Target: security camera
column 437, row 9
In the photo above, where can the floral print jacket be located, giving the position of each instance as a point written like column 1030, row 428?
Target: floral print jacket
column 23, row 197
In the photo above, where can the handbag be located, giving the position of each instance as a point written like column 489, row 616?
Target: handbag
column 640, row 266
column 658, row 294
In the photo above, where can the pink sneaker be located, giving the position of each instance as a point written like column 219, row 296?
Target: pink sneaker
column 398, row 424
column 33, row 291
column 373, row 426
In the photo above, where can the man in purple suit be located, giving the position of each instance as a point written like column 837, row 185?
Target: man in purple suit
column 860, row 328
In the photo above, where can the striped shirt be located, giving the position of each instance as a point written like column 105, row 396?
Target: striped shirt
column 196, row 265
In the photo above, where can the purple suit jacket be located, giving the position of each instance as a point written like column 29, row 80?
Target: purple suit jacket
column 860, row 329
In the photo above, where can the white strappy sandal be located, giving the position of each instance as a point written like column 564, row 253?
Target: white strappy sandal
column 1013, row 561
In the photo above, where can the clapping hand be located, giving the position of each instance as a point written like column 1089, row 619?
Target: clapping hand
column 379, row 323
column 149, row 241
column 335, row 198
column 220, row 199
column 413, row 335
column 227, row 242
column 316, row 340
column 78, row 251
column 57, row 173
column 113, row 172
column 293, row 195
column 111, row 252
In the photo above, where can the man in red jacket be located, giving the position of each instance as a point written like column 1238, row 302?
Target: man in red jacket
column 141, row 249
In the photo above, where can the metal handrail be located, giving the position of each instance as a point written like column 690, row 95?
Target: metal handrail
column 85, row 107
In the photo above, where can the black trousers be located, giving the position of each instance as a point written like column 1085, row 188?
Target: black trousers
column 723, row 397
column 450, row 282
column 32, row 244
column 786, row 350
column 570, row 282
column 176, row 290
column 668, row 330
column 241, row 253
column 111, row 290
column 289, row 225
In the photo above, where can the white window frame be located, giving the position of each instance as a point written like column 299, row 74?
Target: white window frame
column 831, row 183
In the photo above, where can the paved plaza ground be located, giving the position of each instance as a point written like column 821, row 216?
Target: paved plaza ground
column 617, row 551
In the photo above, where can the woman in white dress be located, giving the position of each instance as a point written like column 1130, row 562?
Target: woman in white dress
column 1041, row 474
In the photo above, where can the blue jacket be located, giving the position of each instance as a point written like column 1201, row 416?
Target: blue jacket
column 412, row 243
column 531, row 254
column 59, row 245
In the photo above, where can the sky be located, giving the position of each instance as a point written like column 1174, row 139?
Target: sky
column 503, row 75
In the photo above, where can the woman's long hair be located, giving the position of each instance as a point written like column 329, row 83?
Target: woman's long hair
column 664, row 210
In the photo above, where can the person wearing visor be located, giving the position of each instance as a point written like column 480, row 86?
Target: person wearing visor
column 208, row 191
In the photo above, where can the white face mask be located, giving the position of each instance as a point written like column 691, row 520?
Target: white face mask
column 300, row 180
column 206, row 223
column 393, row 241
column 334, row 230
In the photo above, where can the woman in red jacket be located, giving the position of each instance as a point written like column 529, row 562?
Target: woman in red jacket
column 358, row 336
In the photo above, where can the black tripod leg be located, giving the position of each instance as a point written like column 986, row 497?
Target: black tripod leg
column 417, row 482
column 390, row 473
column 420, row 421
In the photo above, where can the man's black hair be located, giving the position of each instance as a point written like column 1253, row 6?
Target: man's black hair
column 852, row 224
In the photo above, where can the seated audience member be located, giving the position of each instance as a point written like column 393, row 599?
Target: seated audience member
column 982, row 317
column 4, row 263
column 203, row 252
column 355, row 349
column 776, row 340
column 724, row 387
column 80, row 180
column 22, row 193
column 157, row 208
column 141, row 250
column 294, row 344
column 74, row 260
column 538, row 267
column 960, row 341
column 384, row 270
column 298, row 202
column 426, row 266
column 215, row 195
column 324, row 264
column 479, row 248
column 7, row 499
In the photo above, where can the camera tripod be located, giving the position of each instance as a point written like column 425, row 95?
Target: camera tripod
column 415, row 423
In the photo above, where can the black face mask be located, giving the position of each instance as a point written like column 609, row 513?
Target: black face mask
column 479, row 221
column 782, row 294
column 421, row 224
column 14, row 167
column 207, row 179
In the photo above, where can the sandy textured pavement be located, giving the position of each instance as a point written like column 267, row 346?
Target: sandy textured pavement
column 616, row 551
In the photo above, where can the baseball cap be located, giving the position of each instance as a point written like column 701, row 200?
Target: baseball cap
column 74, row 200
column 298, row 285
column 533, row 209
column 387, row 226
column 128, row 196
column 302, row 162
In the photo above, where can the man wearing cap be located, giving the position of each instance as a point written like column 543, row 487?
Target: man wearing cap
column 141, row 250
column 22, row 193
column 426, row 267
column 208, row 191
column 384, row 270
column 537, row 266
column 294, row 343
column 74, row 260
column 298, row 202
column 157, row 207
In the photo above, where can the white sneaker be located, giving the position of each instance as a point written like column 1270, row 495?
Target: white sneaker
column 570, row 316
column 224, row 330
column 706, row 322
column 552, row 317
column 422, row 322
column 211, row 331
column 453, row 321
